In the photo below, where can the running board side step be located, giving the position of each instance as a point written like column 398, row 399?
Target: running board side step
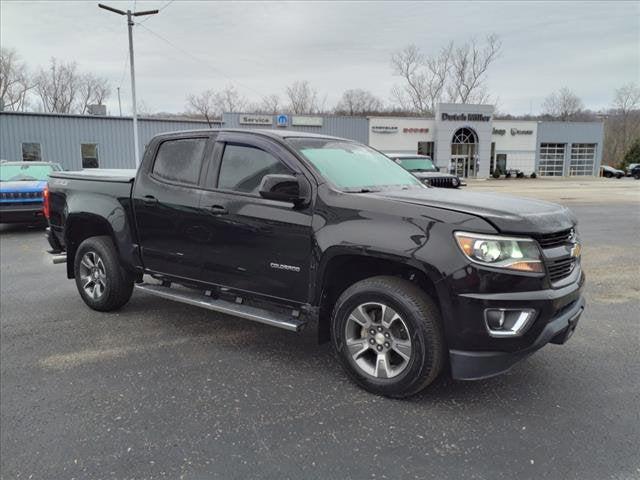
column 223, row 306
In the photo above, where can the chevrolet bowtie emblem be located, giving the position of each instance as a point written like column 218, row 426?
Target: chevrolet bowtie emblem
column 576, row 250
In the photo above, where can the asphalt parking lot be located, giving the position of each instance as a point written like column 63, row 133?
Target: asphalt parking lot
column 163, row 390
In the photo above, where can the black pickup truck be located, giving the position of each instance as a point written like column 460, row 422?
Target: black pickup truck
column 289, row 228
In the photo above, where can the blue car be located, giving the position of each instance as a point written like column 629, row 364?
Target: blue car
column 21, row 190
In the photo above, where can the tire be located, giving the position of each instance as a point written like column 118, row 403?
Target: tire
column 419, row 323
column 607, row 175
column 636, row 176
column 618, row 175
column 101, row 281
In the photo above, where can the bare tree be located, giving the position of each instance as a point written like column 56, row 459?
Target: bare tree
column 14, row 81
column 58, row 86
column 303, row 98
column 358, row 102
column 270, row 104
column 469, row 65
column 563, row 105
column 204, row 105
column 230, row 100
column 413, row 95
column 627, row 99
column 623, row 123
column 92, row 90
column 424, row 78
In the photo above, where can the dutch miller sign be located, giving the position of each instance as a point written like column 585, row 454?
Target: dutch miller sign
column 465, row 117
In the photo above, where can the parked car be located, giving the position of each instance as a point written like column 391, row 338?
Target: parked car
column 609, row 172
column 423, row 168
column 635, row 171
column 21, row 190
column 630, row 167
column 289, row 228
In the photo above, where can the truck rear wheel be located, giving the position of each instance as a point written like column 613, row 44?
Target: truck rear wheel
column 102, row 282
column 387, row 333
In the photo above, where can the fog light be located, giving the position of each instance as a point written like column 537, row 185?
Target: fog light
column 505, row 322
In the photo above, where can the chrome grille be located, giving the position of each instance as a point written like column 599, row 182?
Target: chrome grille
column 21, row 195
column 551, row 240
column 559, row 269
column 440, row 182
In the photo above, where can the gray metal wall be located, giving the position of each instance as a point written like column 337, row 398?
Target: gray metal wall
column 569, row 133
column 60, row 136
column 354, row 128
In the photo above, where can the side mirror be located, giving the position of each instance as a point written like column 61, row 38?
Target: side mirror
column 285, row 188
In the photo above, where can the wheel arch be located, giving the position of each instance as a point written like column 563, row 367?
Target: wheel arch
column 342, row 268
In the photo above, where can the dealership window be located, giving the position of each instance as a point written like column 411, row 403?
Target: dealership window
column 583, row 157
column 426, row 148
column 492, row 163
column 89, row 152
column 31, row 152
column 551, row 160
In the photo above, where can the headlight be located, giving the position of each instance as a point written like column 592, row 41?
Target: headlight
column 512, row 253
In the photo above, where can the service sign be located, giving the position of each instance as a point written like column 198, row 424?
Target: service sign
column 256, row 120
column 306, row 121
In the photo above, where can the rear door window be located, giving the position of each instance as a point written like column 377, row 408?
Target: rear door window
column 180, row 160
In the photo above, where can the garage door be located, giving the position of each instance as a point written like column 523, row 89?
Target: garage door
column 551, row 159
column 583, row 158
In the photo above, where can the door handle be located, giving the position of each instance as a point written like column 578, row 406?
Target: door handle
column 218, row 210
column 149, row 200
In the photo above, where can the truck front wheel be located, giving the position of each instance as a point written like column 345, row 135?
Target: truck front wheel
column 387, row 333
column 102, row 282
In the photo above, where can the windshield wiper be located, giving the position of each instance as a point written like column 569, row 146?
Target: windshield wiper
column 361, row 190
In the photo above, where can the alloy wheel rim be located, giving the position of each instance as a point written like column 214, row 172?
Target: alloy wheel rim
column 93, row 275
column 377, row 340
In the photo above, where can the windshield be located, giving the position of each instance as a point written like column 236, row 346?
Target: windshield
column 18, row 173
column 352, row 166
column 417, row 164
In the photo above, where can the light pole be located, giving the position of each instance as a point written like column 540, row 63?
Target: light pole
column 130, row 24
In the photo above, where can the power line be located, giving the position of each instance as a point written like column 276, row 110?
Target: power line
column 159, row 10
column 201, row 62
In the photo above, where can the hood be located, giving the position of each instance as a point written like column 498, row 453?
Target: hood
column 26, row 186
column 507, row 213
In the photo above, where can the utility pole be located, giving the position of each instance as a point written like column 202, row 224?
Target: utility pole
column 119, row 102
column 130, row 24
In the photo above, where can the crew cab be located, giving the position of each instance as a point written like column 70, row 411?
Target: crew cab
column 289, row 229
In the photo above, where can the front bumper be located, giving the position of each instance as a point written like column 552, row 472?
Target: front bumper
column 474, row 354
column 21, row 213
column 472, row 365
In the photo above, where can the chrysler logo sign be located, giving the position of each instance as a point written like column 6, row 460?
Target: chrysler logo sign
column 384, row 129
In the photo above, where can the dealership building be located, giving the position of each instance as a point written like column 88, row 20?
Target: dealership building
column 465, row 139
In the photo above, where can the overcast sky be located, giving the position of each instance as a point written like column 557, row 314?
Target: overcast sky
column 590, row 47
